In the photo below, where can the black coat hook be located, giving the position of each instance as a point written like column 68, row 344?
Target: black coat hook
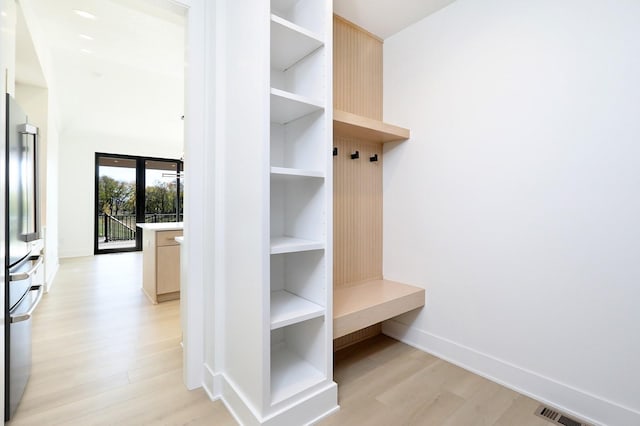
column 335, row 151
column 373, row 158
column 355, row 155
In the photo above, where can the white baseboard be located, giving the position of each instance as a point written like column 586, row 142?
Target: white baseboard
column 316, row 405
column 52, row 272
column 238, row 405
column 74, row 254
column 209, row 383
column 584, row 405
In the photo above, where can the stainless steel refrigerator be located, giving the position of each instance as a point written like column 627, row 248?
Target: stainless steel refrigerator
column 22, row 228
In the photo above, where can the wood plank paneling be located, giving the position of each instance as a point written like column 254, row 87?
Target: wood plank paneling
column 357, row 191
column 357, row 70
column 357, row 212
column 357, row 337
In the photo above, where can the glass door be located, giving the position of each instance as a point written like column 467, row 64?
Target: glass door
column 163, row 192
column 116, row 181
column 130, row 190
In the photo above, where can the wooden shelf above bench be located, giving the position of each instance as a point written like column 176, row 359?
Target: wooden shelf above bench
column 358, row 306
column 350, row 125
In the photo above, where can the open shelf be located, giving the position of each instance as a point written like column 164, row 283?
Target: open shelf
column 284, row 244
column 298, row 358
column 290, row 43
column 297, row 213
column 287, row 309
column 301, row 274
column 290, row 374
column 300, row 144
column 286, row 106
column 287, row 173
column 350, row 125
column 361, row 305
column 308, row 14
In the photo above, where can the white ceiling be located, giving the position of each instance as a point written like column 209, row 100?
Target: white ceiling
column 126, row 79
column 131, row 33
column 384, row 18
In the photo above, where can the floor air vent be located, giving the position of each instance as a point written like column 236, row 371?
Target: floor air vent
column 557, row 417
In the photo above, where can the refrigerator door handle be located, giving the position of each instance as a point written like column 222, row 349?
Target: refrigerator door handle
column 27, row 315
column 19, row 276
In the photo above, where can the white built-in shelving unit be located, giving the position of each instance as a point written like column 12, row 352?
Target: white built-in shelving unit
column 301, row 116
column 276, row 139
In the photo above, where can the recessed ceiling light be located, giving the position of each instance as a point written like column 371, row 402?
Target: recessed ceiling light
column 84, row 36
column 87, row 51
column 84, row 14
column 4, row 14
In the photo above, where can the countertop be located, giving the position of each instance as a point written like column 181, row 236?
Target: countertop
column 168, row 226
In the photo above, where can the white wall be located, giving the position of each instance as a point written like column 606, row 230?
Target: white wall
column 42, row 102
column 37, row 103
column 516, row 203
column 125, row 111
column 243, row 141
column 52, row 195
column 77, row 180
column 8, row 21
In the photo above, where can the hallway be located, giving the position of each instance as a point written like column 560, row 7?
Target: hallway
column 102, row 354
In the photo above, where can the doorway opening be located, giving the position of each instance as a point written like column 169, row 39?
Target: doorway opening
column 72, row 41
column 130, row 190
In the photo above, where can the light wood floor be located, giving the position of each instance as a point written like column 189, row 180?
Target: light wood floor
column 384, row 382
column 103, row 355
